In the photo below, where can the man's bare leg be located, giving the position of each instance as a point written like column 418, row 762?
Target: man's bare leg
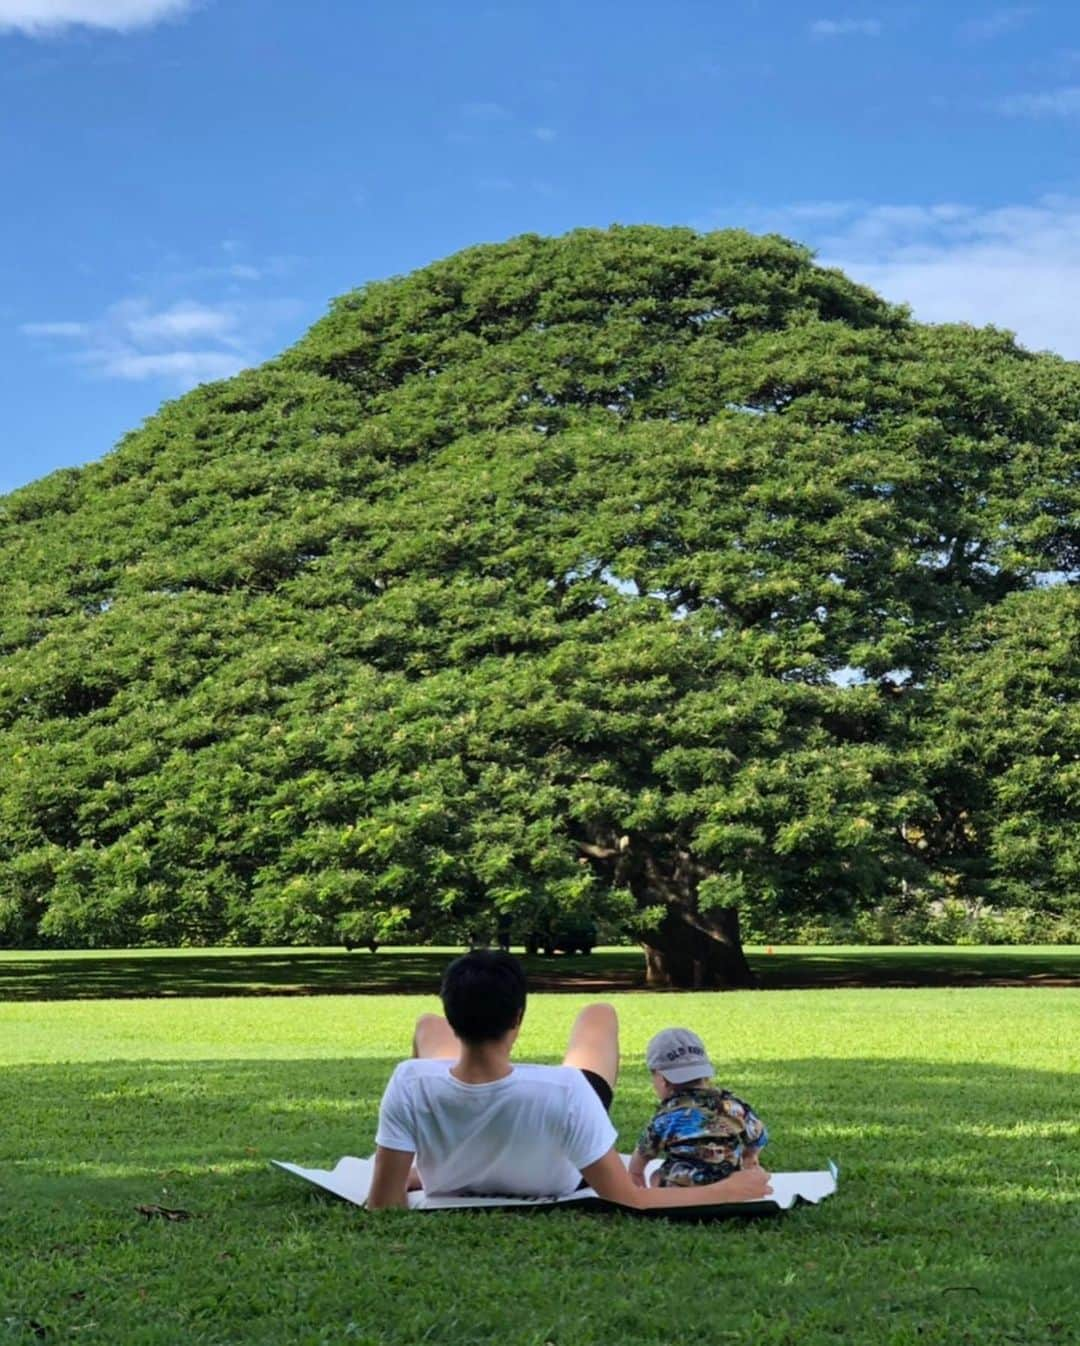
column 594, row 1042
column 434, row 1040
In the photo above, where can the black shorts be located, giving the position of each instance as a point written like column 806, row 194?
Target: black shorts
column 601, row 1086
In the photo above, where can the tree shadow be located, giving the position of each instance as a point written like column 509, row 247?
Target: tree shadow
column 113, row 976
column 899, row 966
column 256, row 972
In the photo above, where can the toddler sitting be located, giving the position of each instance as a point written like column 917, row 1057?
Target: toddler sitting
column 702, row 1134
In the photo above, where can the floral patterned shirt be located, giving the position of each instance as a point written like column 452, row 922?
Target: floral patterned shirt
column 702, row 1135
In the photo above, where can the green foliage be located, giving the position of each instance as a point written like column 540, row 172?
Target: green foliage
column 919, row 922
column 532, row 583
column 1011, row 723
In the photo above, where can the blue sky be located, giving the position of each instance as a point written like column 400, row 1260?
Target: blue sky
column 188, row 182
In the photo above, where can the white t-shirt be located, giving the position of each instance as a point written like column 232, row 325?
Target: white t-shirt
column 528, row 1134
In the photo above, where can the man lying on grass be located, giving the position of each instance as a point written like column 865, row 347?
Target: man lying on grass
column 477, row 1124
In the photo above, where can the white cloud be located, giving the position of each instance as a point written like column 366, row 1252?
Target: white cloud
column 183, row 322
column 45, row 16
column 184, row 343
column 1014, row 266
column 996, row 24
column 1053, row 103
column 185, row 367
column 846, row 28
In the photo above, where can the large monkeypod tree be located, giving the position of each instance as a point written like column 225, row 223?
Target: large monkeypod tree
column 605, row 575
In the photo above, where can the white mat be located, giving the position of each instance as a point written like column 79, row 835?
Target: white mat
column 350, row 1179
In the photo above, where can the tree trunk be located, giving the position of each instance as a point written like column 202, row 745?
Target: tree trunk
column 689, row 949
column 697, row 952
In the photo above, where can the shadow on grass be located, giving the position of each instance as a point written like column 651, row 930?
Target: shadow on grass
column 798, row 968
column 411, row 971
column 255, row 972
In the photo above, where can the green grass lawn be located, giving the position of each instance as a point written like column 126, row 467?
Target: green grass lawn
column 952, row 1112
column 113, row 973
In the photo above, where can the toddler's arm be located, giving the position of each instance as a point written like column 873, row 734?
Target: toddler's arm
column 649, row 1146
column 755, row 1137
column 636, row 1168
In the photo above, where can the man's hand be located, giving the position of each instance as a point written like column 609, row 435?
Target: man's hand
column 748, row 1184
column 390, row 1181
column 609, row 1179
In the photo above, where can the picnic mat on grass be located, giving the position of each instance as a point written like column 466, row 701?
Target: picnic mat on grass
column 350, row 1179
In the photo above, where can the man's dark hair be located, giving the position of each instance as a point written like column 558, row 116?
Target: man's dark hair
column 483, row 994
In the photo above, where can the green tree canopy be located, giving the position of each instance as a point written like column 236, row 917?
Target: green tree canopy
column 643, row 573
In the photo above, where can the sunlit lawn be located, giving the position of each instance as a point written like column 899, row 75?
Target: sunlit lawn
column 952, row 1112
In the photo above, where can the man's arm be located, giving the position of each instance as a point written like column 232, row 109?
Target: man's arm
column 390, row 1182
column 610, row 1180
